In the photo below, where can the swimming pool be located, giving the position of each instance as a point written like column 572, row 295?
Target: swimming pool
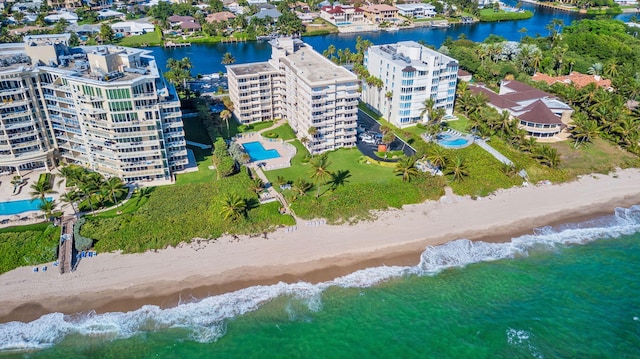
column 449, row 141
column 17, row 207
column 259, row 153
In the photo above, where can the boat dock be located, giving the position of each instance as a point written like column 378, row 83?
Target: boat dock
column 171, row 44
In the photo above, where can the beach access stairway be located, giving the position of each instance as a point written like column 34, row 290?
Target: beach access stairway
column 65, row 250
column 499, row 156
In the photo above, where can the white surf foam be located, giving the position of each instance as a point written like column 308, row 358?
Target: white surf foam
column 205, row 319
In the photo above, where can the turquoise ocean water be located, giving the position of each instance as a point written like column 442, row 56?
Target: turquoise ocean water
column 566, row 292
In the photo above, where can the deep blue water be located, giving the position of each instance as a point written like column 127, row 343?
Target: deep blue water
column 207, row 58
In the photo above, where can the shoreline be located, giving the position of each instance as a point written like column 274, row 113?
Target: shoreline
column 115, row 282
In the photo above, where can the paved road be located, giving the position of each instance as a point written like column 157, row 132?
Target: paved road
column 372, row 127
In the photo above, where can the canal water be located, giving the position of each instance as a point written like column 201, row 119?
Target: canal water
column 206, row 58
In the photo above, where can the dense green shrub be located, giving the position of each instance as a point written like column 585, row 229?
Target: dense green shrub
column 81, row 243
column 28, row 245
column 222, row 160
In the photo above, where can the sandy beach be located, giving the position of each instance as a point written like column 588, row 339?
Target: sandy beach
column 116, row 282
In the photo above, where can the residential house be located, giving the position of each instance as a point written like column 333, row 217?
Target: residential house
column 464, row 75
column 234, row 7
column 106, row 14
column 378, row 13
column 302, row 86
column 417, row 11
column 69, row 16
column 220, row 16
column 132, row 28
column 541, row 114
column 264, row 13
column 342, row 15
column 186, row 23
column 306, row 17
column 575, row 78
column 410, row 74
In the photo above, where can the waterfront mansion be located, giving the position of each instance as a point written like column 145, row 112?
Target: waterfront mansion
column 410, row 74
column 106, row 108
column 318, row 98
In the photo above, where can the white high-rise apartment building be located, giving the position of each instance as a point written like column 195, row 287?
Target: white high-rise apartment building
column 318, row 98
column 103, row 107
column 410, row 74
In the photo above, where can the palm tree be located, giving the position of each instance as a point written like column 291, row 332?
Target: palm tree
column 388, row 139
column 226, row 115
column 584, row 129
column 595, row 69
column 40, row 190
column 437, row 157
column 548, row 156
column 233, row 207
column 339, row 178
column 319, row 170
column 71, row 198
column 536, row 59
column 47, row 207
column 427, row 107
column 301, row 186
column 113, row 188
column 304, row 140
column 523, row 32
column 228, row 59
column 458, row 170
column 256, row 186
column 406, row 168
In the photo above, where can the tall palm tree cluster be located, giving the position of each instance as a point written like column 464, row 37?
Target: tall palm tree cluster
column 84, row 186
column 600, row 113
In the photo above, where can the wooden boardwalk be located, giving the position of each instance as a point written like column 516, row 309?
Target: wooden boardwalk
column 65, row 251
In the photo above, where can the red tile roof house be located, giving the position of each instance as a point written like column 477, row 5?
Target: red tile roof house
column 220, row 16
column 576, row 78
column 187, row 23
column 539, row 113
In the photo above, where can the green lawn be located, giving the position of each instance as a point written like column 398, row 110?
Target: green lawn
column 203, row 175
column 284, row 132
column 236, row 128
column 485, row 173
column 148, row 39
column 369, row 187
column 460, row 124
column 598, row 157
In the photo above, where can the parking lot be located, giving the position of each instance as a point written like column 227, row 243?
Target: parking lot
column 369, row 137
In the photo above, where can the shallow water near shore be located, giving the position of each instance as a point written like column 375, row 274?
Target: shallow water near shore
column 568, row 291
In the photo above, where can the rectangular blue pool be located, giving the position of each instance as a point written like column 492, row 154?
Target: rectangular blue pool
column 17, row 207
column 257, row 152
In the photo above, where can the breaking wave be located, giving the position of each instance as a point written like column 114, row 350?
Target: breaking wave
column 205, row 320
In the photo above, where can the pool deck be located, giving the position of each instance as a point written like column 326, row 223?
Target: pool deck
column 286, row 151
column 29, row 177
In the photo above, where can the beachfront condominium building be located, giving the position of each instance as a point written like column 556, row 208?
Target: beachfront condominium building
column 103, row 107
column 318, row 98
column 410, row 74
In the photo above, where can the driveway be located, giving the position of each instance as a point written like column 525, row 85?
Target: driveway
column 372, row 128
